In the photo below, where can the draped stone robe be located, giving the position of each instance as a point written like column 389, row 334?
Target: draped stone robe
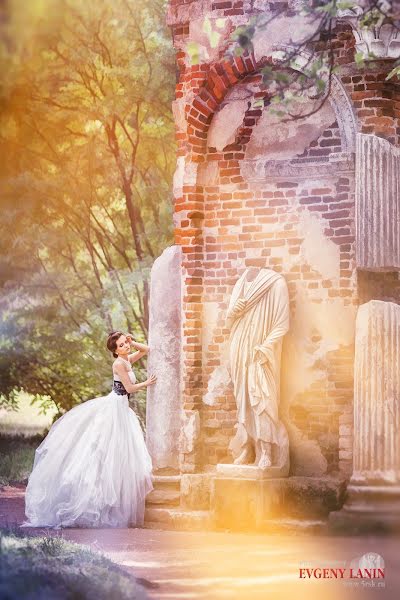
column 255, row 345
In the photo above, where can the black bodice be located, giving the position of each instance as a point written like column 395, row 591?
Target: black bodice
column 119, row 389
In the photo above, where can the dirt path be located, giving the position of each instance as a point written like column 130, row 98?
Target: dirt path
column 12, row 507
column 213, row 566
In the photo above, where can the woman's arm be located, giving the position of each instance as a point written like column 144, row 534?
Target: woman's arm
column 130, row 387
column 142, row 350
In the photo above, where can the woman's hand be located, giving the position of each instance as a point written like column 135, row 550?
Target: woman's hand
column 151, row 380
column 137, row 345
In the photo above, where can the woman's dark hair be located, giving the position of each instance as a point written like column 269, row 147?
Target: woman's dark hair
column 112, row 339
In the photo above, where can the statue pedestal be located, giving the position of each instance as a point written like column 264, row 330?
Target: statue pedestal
column 240, row 498
column 244, row 496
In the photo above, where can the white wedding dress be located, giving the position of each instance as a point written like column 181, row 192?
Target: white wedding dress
column 93, row 468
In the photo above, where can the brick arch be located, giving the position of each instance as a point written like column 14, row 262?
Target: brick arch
column 221, row 77
column 225, row 74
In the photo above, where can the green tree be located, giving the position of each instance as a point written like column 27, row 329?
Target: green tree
column 87, row 133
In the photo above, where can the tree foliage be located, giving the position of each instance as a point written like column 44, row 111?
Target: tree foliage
column 302, row 71
column 87, row 136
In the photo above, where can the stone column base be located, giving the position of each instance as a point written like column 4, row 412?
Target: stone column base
column 368, row 508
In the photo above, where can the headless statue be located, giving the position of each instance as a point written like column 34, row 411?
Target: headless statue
column 258, row 318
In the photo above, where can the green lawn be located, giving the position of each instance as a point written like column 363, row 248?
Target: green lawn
column 44, row 568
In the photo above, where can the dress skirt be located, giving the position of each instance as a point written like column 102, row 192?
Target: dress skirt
column 92, row 470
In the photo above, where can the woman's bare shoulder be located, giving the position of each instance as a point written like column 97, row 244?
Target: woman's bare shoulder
column 119, row 364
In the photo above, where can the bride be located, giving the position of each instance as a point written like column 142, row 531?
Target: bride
column 93, row 468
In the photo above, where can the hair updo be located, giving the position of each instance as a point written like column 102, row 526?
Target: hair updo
column 112, row 339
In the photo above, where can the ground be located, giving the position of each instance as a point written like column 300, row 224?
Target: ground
column 210, row 565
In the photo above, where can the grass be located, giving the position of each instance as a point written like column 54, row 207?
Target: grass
column 40, row 568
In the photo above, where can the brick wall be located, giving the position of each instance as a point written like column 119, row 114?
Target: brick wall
column 299, row 223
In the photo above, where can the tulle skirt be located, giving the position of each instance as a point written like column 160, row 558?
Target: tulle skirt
column 92, row 470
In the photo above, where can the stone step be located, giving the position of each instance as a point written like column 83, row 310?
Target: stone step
column 177, row 519
column 163, row 496
column 201, row 520
column 295, row 526
column 167, row 482
column 286, row 526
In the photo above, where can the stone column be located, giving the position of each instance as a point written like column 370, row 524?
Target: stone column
column 163, row 409
column 377, row 204
column 373, row 495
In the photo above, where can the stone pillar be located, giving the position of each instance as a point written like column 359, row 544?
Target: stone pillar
column 377, row 204
column 373, row 495
column 163, row 409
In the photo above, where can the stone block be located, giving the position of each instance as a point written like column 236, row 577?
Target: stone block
column 345, row 430
column 345, row 454
column 245, row 504
column 345, row 443
column 195, row 491
column 313, row 497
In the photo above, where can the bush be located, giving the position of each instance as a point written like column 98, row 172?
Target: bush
column 16, row 458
